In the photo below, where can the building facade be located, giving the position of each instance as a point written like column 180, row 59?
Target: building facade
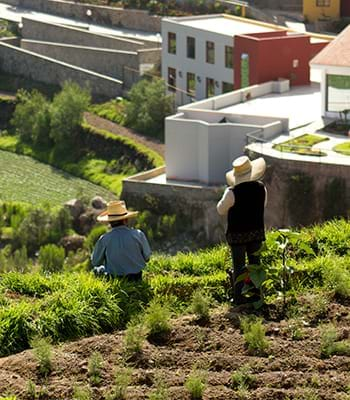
column 315, row 10
column 198, row 53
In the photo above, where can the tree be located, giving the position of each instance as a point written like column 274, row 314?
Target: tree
column 148, row 107
column 31, row 118
column 67, row 110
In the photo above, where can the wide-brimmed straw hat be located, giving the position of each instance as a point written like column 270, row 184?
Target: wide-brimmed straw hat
column 245, row 170
column 116, row 211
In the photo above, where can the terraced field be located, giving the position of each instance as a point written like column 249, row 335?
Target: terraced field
column 25, row 179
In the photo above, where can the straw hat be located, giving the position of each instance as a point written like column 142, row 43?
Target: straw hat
column 245, row 170
column 116, row 211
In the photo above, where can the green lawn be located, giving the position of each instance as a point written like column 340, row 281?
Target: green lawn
column 343, row 148
column 24, row 179
column 302, row 145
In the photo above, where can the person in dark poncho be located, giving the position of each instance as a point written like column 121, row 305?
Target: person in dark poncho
column 243, row 202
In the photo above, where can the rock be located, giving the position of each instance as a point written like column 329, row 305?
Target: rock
column 98, row 203
column 72, row 242
column 86, row 221
column 75, row 207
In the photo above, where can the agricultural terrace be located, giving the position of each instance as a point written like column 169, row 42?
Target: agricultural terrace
column 184, row 340
column 27, row 180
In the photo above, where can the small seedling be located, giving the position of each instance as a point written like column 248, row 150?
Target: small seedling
column 31, row 390
column 330, row 345
column 122, row 380
column 254, row 336
column 157, row 320
column 195, row 384
column 95, row 368
column 81, row 393
column 160, row 392
column 242, row 379
column 200, row 305
column 42, row 350
column 135, row 336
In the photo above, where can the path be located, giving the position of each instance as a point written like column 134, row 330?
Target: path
column 102, row 123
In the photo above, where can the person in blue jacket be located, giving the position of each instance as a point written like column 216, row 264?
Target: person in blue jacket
column 123, row 251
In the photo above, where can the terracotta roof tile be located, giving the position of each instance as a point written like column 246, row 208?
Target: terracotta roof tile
column 337, row 52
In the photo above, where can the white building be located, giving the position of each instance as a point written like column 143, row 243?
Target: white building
column 198, row 54
column 334, row 63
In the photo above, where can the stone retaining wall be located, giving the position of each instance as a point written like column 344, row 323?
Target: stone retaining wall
column 21, row 62
column 130, row 19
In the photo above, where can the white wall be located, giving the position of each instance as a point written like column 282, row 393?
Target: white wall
column 198, row 66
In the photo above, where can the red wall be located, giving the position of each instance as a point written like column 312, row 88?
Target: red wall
column 271, row 57
column 345, row 8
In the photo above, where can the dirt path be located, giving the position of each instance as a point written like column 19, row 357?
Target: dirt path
column 101, row 123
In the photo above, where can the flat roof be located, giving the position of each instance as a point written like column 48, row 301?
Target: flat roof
column 301, row 104
column 225, row 25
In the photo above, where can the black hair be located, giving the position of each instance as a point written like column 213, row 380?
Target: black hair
column 114, row 224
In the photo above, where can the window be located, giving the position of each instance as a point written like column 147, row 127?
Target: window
column 228, row 56
column 227, row 87
column 338, row 92
column 191, row 84
column 210, row 88
column 210, row 52
column 191, row 47
column 171, row 43
column 172, row 79
column 323, row 3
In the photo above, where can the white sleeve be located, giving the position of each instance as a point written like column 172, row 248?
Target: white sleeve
column 226, row 202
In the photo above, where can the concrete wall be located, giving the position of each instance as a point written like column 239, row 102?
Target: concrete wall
column 302, row 193
column 198, row 151
column 130, row 19
column 313, row 12
column 43, row 69
column 42, row 31
column 195, row 204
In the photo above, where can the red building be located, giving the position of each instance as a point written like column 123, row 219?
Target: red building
column 262, row 57
column 345, row 8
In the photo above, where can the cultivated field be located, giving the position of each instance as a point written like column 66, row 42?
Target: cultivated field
column 24, row 179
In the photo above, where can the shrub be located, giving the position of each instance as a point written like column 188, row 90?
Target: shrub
column 67, row 110
column 95, row 368
column 157, row 319
column 200, row 304
column 43, row 353
column 31, row 118
column 51, row 258
column 254, row 335
column 148, row 107
column 195, row 384
column 94, row 235
column 337, row 277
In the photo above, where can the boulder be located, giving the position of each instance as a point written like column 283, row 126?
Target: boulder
column 72, row 243
column 98, row 203
column 75, row 207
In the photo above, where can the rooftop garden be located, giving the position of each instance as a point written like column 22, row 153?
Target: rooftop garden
column 302, row 145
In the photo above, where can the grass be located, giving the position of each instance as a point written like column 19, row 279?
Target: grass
column 113, row 110
column 302, row 145
column 343, row 148
column 25, row 179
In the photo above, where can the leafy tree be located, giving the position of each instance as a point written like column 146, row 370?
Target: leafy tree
column 67, row 110
column 31, row 118
column 148, row 107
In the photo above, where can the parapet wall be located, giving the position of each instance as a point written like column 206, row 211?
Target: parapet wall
column 21, row 62
column 124, row 18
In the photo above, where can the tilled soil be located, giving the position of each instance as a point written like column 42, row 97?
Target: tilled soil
column 292, row 369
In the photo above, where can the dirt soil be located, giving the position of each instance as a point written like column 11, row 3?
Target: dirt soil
column 102, row 123
column 292, row 369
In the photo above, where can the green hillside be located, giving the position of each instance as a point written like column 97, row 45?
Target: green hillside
column 24, row 179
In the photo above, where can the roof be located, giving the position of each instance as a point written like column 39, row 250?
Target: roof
column 337, row 53
column 225, row 24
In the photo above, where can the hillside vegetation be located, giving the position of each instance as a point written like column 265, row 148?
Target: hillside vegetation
column 297, row 347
